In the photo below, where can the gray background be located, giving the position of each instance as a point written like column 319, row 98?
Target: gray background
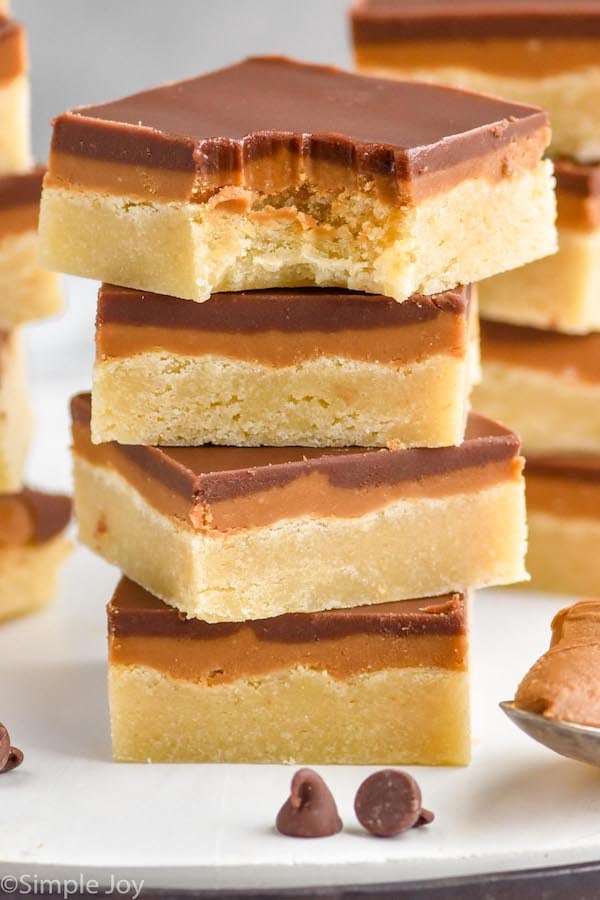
column 87, row 51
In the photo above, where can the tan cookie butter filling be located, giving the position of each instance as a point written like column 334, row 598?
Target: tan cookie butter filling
column 566, row 356
column 404, row 344
column 561, row 495
column 13, row 50
column 512, row 57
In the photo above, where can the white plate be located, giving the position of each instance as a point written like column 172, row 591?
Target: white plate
column 70, row 812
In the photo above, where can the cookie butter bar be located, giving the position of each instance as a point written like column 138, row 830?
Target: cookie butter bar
column 15, row 415
column 304, row 366
column 543, row 384
column 274, row 173
column 32, row 547
column 14, row 97
column 227, row 533
column 561, row 291
column 331, row 687
column 26, row 291
column 563, row 501
column 544, row 53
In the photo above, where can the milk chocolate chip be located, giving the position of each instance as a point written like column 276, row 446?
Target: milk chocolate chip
column 310, row 811
column 10, row 757
column 389, row 802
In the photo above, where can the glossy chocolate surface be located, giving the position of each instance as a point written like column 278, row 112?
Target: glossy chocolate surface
column 397, row 20
column 288, row 310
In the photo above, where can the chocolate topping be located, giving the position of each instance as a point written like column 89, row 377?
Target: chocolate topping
column 389, row 802
column 288, row 310
column 134, row 611
column 564, row 684
column 310, row 810
column 573, row 466
column 226, row 121
column 396, row 20
column 10, row 757
column 21, row 190
column 32, row 516
column 564, row 355
column 578, row 179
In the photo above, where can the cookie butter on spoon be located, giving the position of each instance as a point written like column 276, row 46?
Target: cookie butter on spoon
column 565, row 683
column 558, row 701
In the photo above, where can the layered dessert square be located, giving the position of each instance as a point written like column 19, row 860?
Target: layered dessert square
column 26, row 291
column 544, row 53
column 32, row 547
column 562, row 291
column 14, row 97
column 544, row 384
column 384, row 684
column 15, row 414
column 286, row 367
column 229, row 533
column 274, row 173
column 563, row 503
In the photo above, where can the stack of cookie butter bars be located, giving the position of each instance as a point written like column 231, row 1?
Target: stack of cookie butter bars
column 278, row 450
column 32, row 523
column 541, row 334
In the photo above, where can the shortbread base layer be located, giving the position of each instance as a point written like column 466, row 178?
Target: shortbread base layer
column 561, row 292
column 563, row 554
column 26, row 291
column 409, row 548
column 550, row 412
column 164, row 398
column 570, row 98
column 391, row 717
column 302, row 238
column 15, row 415
column 15, row 152
column 29, row 576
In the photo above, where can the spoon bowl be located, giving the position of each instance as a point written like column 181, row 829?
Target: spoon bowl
column 580, row 742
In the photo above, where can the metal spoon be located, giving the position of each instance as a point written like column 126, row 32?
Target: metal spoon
column 581, row 742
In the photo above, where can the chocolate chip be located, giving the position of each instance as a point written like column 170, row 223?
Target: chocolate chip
column 310, row 810
column 10, row 757
column 389, row 802
column 426, row 817
column 4, row 746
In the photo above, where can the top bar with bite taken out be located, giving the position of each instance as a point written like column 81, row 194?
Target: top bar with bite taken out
column 274, row 173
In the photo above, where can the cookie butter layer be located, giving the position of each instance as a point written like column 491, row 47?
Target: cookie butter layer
column 13, row 50
column 284, row 327
column 506, row 37
column 568, row 357
column 20, row 201
column 216, row 489
column 32, row 517
column 543, row 384
column 566, row 485
column 289, row 123
column 578, row 195
column 143, row 631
